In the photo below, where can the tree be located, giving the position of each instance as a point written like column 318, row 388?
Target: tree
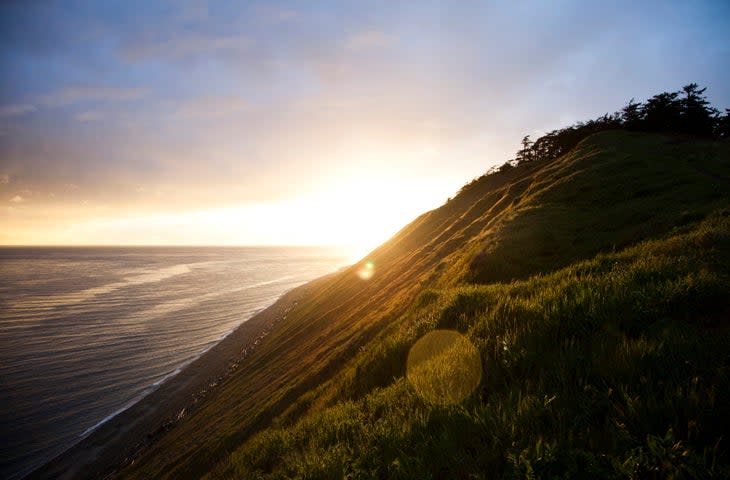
column 697, row 116
column 662, row 113
column 525, row 154
column 631, row 115
column 666, row 112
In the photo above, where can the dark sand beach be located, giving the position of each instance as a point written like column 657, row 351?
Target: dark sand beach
column 117, row 442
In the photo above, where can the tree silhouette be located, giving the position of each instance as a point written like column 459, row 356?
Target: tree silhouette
column 525, row 154
column 665, row 112
column 662, row 113
column 631, row 115
column 697, row 116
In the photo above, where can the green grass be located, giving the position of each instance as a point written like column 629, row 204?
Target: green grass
column 613, row 190
column 615, row 367
column 594, row 288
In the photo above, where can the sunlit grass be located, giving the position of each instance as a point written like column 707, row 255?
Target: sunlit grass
column 613, row 367
column 443, row 367
column 594, row 288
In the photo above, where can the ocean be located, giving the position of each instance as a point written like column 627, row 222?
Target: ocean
column 87, row 332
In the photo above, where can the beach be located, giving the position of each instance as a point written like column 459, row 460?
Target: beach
column 118, row 441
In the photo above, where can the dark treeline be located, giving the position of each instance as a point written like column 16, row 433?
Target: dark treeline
column 685, row 112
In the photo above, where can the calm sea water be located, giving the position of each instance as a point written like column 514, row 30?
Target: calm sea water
column 86, row 332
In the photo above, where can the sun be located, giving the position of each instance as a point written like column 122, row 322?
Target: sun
column 359, row 212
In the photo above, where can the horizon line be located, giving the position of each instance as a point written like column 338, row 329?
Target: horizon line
column 137, row 245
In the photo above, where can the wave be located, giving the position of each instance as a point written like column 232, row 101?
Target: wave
column 82, row 341
column 49, row 302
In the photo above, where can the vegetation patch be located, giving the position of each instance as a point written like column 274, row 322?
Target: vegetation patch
column 586, row 280
column 615, row 367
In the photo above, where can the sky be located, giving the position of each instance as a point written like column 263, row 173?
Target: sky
column 297, row 123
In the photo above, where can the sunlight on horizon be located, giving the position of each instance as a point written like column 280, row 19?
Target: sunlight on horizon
column 356, row 214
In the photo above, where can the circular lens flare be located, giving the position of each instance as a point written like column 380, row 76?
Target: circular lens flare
column 444, row 367
column 366, row 270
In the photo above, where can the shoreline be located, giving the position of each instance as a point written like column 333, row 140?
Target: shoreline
column 148, row 391
column 159, row 383
column 119, row 440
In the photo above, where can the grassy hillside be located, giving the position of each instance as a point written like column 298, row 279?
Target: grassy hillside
column 593, row 289
column 615, row 366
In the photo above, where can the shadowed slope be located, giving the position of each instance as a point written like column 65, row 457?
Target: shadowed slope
column 613, row 190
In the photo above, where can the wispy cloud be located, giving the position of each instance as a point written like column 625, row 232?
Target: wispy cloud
column 17, row 199
column 4, row 179
column 193, row 11
column 369, row 39
column 186, row 46
column 75, row 94
column 328, row 87
column 90, row 116
column 275, row 14
column 211, row 106
column 16, row 109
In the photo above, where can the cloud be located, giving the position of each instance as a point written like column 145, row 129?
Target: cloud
column 343, row 82
column 4, row 179
column 75, row 94
column 16, row 109
column 193, row 11
column 17, row 199
column 284, row 15
column 211, row 106
column 186, row 46
column 369, row 39
column 275, row 14
column 90, row 116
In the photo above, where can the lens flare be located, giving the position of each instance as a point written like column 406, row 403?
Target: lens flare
column 366, row 270
column 444, row 367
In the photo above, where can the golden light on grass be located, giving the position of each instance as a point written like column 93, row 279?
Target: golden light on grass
column 366, row 270
column 444, row 367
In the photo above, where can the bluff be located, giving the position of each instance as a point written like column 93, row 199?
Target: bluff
column 592, row 286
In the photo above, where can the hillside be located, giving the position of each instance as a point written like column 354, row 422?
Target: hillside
column 593, row 287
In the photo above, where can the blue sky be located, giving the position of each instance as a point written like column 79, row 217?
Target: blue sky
column 306, row 122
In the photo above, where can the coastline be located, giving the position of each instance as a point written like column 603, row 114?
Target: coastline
column 119, row 440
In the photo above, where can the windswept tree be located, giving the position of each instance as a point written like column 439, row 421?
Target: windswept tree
column 686, row 111
column 697, row 116
column 631, row 115
column 525, row 154
column 662, row 113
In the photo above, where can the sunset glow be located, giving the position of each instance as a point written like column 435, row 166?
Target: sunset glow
column 359, row 213
column 201, row 122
